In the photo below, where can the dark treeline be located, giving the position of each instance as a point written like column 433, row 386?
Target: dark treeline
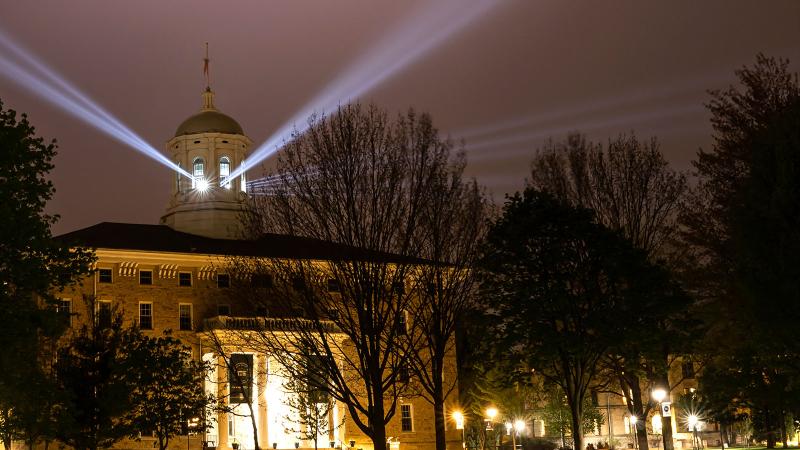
column 609, row 272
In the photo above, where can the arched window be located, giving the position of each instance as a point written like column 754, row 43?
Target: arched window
column 198, row 171
column 224, row 172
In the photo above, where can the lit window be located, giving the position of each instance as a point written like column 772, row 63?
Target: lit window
column 224, row 172
column 146, row 277
column 103, row 313
column 64, row 309
column 104, row 275
column 223, row 280
column 406, row 419
column 198, row 171
column 185, row 279
column 185, row 312
column 146, row 316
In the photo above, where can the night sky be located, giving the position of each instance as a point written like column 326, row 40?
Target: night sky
column 519, row 73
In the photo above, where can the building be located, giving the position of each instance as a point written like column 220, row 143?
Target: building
column 168, row 276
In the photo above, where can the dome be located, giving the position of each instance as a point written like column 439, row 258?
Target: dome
column 209, row 121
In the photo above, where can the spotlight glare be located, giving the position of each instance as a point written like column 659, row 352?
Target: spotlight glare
column 69, row 99
column 414, row 38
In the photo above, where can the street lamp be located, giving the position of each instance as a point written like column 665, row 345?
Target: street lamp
column 634, row 422
column 659, row 395
column 693, row 421
column 519, row 427
column 458, row 418
column 491, row 413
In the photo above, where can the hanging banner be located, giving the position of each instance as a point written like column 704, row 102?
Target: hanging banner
column 240, row 377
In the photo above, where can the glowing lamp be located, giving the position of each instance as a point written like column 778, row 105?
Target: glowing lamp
column 634, row 419
column 659, row 394
column 692, row 420
column 458, row 418
column 519, row 425
column 491, row 413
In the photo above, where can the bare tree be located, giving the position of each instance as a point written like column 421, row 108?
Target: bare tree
column 355, row 185
column 629, row 185
column 454, row 223
column 312, row 410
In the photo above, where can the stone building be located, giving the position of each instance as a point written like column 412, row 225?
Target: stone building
column 167, row 276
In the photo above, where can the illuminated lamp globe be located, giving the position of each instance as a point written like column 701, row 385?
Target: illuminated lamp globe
column 634, row 419
column 519, row 425
column 659, row 394
column 491, row 413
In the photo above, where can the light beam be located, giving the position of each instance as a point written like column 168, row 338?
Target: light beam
column 407, row 43
column 48, row 86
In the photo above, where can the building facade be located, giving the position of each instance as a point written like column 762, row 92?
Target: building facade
column 171, row 276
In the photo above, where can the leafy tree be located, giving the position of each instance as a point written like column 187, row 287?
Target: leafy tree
column 168, row 388
column 557, row 281
column 32, row 265
column 742, row 223
column 93, row 374
column 632, row 189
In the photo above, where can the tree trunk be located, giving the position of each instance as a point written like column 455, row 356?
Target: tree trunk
column 770, row 430
column 576, row 410
column 438, row 409
column 784, row 434
column 638, row 410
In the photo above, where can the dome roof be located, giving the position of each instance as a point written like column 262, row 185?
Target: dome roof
column 209, row 121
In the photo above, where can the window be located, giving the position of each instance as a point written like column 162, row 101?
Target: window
column 403, row 374
column 185, row 313
column 333, row 285
column 104, row 275
column 223, row 280
column 224, row 172
column 224, row 310
column 103, row 313
column 595, row 399
column 198, row 171
column 146, row 316
column 402, row 323
column 687, row 369
column 406, row 418
column 262, row 280
column 185, row 279
column 64, row 309
column 146, row 277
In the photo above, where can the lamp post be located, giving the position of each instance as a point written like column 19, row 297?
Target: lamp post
column 693, row 421
column 458, row 418
column 659, row 395
column 491, row 413
column 519, row 427
column 634, row 421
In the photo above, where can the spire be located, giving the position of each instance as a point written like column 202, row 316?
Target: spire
column 208, row 94
column 205, row 70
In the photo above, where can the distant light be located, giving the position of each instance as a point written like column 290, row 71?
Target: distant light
column 692, row 420
column 634, row 419
column 202, row 184
column 519, row 425
column 491, row 413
